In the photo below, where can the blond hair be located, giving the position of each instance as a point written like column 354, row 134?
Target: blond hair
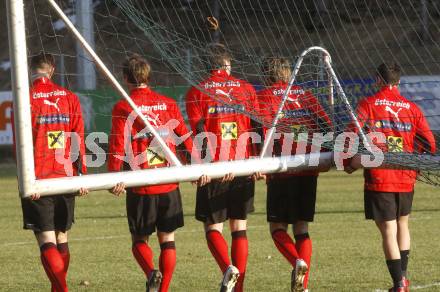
column 136, row 70
column 276, row 69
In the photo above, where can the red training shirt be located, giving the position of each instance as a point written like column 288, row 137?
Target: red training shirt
column 132, row 147
column 301, row 113
column 56, row 112
column 222, row 115
column 400, row 120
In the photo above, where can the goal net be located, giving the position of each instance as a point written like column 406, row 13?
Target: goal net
column 176, row 36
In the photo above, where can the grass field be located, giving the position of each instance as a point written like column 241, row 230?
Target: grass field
column 347, row 249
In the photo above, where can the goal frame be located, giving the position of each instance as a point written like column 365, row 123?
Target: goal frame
column 332, row 80
column 28, row 184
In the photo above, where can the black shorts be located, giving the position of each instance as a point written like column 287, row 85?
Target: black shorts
column 49, row 213
column 291, row 199
column 145, row 213
column 217, row 202
column 385, row 206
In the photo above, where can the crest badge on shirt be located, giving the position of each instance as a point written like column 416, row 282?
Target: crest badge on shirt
column 229, row 130
column 395, row 144
column 155, row 156
column 301, row 133
column 55, row 139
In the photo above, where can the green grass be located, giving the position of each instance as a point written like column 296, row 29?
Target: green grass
column 347, row 249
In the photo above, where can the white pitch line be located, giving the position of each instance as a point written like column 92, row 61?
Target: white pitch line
column 119, row 236
column 416, row 287
column 420, row 218
column 16, row 243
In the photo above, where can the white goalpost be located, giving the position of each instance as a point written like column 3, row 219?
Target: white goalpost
column 20, row 88
column 28, row 184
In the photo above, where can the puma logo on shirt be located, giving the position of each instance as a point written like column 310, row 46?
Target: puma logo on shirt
column 394, row 113
column 54, row 104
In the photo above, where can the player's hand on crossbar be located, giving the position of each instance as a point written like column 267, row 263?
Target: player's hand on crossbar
column 353, row 164
column 258, row 176
column 35, row 197
column 228, row 177
column 83, row 192
column 203, row 180
column 118, row 189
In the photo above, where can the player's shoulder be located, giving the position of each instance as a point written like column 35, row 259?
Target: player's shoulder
column 164, row 101
column 194, row 90
column 57, row 87
column 169, row 100
column 60, row 91
column 159, row 97
column 266, row 93
column 403, row 99
column 368, row 101
column 245, row 88
column 301, row 91
column 121, row 105
column 244, row 83
column 414, row 107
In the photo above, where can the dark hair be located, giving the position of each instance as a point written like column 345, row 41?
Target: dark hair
column 276, row 69
column 216, row 55
column 389, row 73
column 39, row 61
column 136, row 69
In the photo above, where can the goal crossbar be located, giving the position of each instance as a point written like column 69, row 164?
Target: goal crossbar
column 186, row 173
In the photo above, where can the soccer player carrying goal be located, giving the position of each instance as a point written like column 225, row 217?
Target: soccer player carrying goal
column 291, row 197
column 213, row 107
column 148, row 207
column 388, row 193
column 56, row 118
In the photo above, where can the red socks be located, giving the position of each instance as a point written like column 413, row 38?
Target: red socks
column 304, row 248
column 167, row 260
column 63, row 249
column 239, row 254
column 54, row 266
column 167, row 263
column 143, row 255
column 285, row 245
column 219, row 249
